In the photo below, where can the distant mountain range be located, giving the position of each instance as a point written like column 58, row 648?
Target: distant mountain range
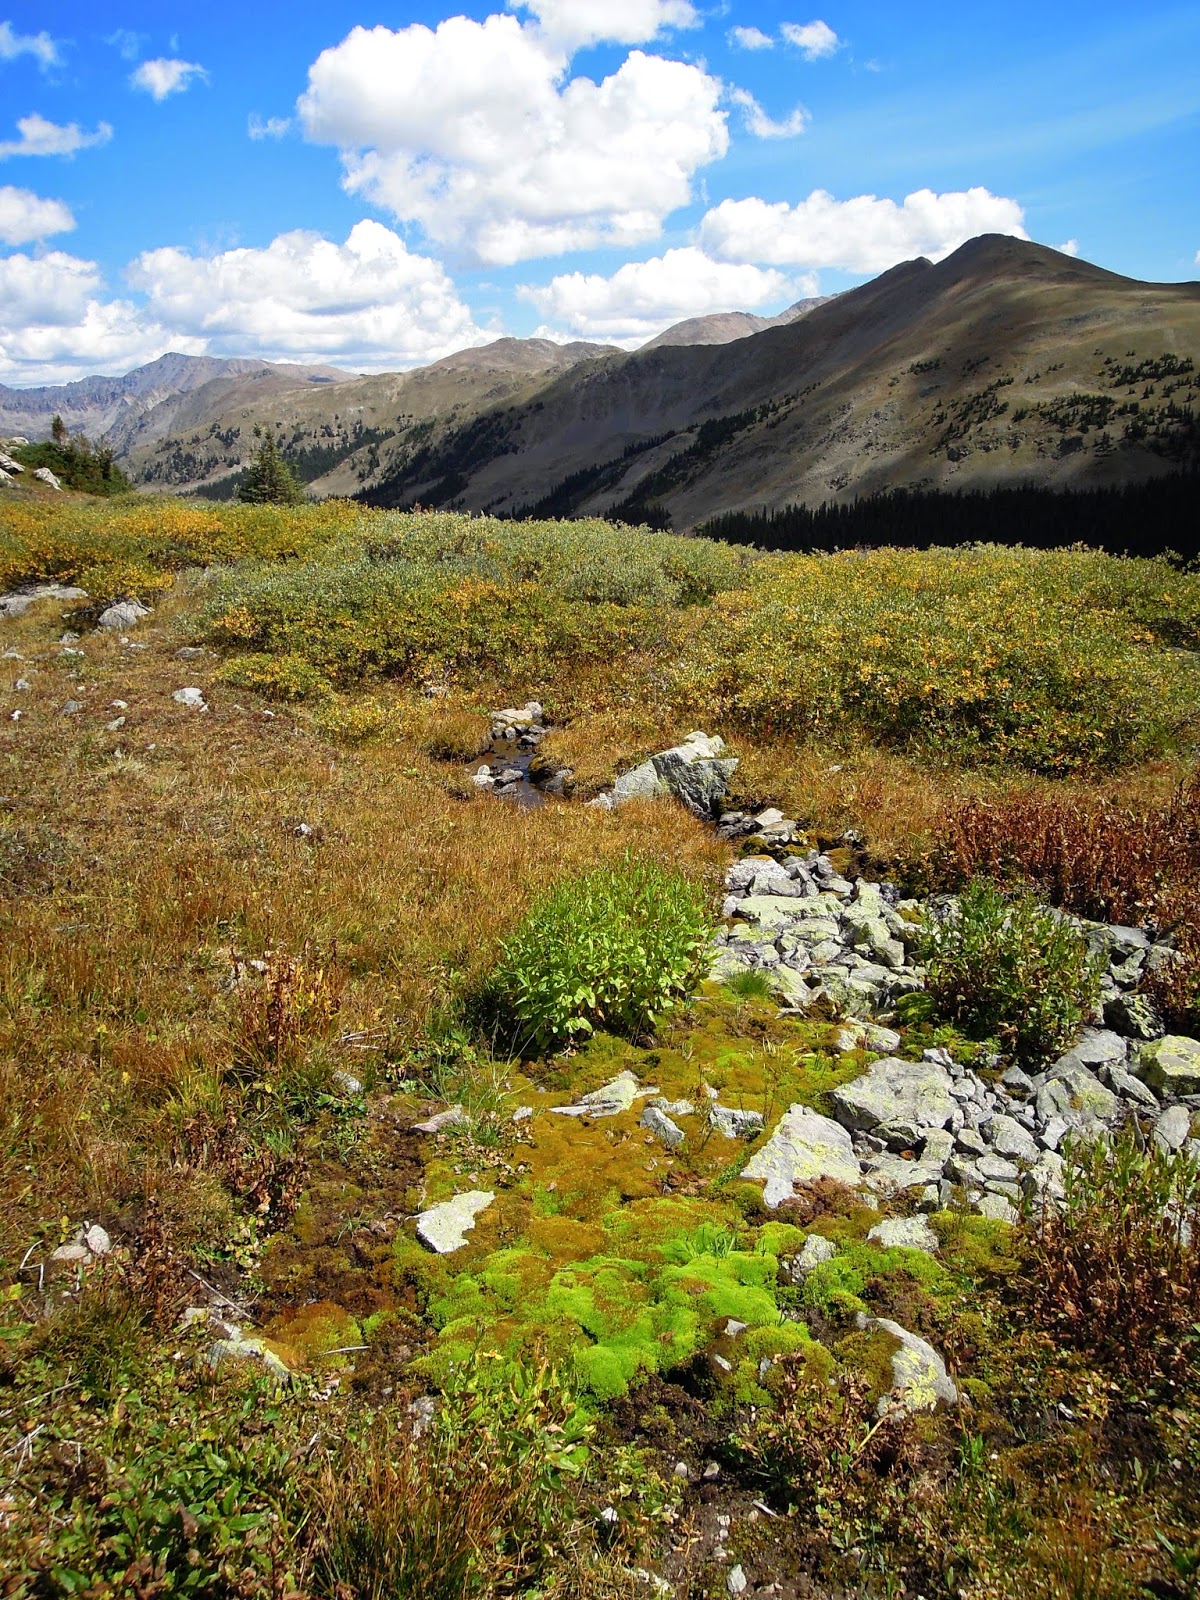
column 1005, row 363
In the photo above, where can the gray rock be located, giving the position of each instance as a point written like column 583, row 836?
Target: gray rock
column 657, row 1122
column 1009, row 1138
column 124, row 615
column 613, row 1097
column 695, row 772
column 44, row 475
column 803, row 1147
column 970, row 1142
column 1171, row 1065
column 444, row 1228
column 1134, row 1016
column 71, row 708
column 1096, row 1047
column 1070, row 1087
column 904, row 1233
column 97, row 1240
column 913, row 1095
column 920, row 1381
column 248, row 1349
column 735, row 1581
column 815, row 1252
column 998, row 1208
column 1172, row 1129
column 889, row 1174
column 1131, row 1088
column 453, row 1117
column 734, row 1123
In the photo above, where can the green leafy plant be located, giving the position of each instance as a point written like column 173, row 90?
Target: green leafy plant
column 1008, row 967
column 615, row 949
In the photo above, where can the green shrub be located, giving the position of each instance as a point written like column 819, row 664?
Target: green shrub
column 612, row 950
column 1012, row 969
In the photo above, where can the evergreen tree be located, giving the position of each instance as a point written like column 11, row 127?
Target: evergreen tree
column 269, row 480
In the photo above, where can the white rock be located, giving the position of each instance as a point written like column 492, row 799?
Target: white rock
column 44, row 475
column 346, row 1083
column 735, row 1581
column 444, row 1227
column 452, row 1118
column 656, row 1121
column 191, row 697
column 920, row 1379
column 97, row 1240
column 609, row 1100
column 124, row 614
column 904, row 1233
column 815, row 1253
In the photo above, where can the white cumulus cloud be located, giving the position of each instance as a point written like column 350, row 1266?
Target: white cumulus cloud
column 761, row 125
column 368, row 302
column 813, row 39
column 750, row 39
column 55, row 327
column 642, row 298
column 864, row 234
column 477, row 132
column 1070, row 247
column 164, row 76
column 568, row 25
column 40, row 137
column 26, row 217
column 39, row 45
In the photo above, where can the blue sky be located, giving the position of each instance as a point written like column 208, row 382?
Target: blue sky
column 374, row 188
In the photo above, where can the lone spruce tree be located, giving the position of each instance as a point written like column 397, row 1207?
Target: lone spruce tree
column 269, row 480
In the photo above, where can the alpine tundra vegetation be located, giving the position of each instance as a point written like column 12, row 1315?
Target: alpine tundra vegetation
column 559, row 1059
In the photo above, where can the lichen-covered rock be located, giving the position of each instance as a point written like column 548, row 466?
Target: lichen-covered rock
column 804, row 1146
column 904, row 1233
column 656, row 1121
column 124, row 614
column 1171, row 1065
column 696, row 772
column 613, row 1097
column 444, row 1227
column 920, row 1381
column 911, row 1096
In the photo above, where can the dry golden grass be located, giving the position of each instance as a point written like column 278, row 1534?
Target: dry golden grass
column 137, row 866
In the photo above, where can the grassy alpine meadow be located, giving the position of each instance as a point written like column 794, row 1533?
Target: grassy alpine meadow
column 247, row 946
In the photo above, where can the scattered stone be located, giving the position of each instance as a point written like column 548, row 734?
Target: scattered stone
column 97, row 1240
column 125, row 614
column 815, row 1253
column 1173, row 1128
column 920, row 1379
column 346, row 1083
column 71, row 708
column 657, row 1122
column 734, row 1123
column 444, row 1227
column 1009, row 1138
column 805, row 1146
column 681, row 1470
column 17, row 604
column 735, row 1580
column 904, row 1233
column 998, row 1208
column 191, row 697
column 609, row 1100
column 115, row 725
column 190, row 652
column 1171, row 1065
column 73, row 1254
column 455, row 1117
column 248, row 1349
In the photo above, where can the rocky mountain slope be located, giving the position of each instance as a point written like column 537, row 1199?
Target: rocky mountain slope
column 154, row 400
column 723, row 327
column 1007, row 362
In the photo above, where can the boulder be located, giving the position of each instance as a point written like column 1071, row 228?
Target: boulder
column 1096, row 1047
column 1071, row 1091
column 920, row 1381
column 444, row 1227
column 1171, row 1065
column 613, row 1097
column 1010, row 1139
column 1173, row 1128
column 656, row 1121
column 123, row 615
column 44, row 475
column 908, row 1097
column 904, row 1233
column 695, row 772
column 803, row 1147
column 192, row 698
column 735, row 1123
column 1134, row 1016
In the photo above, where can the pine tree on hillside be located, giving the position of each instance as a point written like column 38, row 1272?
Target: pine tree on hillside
column 269, row 480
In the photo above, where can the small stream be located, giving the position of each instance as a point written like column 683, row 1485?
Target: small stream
column 507, row 761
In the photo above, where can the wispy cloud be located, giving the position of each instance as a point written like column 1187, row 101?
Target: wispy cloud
column 750, row 39
column 812, row 39
column 126, row 42
column 39, row 45
column 761, row 125
column 164, row 76
column 40, row 137
column 272, row 128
